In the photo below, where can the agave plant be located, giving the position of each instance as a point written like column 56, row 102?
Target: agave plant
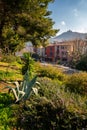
column 23, row 90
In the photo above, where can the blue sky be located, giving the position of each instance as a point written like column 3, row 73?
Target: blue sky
column 69, row 15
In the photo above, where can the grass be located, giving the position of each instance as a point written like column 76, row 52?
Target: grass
column 10, row 71
column 53, row 103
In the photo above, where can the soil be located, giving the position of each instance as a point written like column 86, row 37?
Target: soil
column 3, row 84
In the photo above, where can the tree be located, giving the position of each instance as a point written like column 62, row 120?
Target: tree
column 24, row 20
column 78, row 51
column 82, row 64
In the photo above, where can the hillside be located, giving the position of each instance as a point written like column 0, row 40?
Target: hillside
column 69, row 35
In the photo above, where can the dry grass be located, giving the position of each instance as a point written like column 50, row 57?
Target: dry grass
column 9, row 72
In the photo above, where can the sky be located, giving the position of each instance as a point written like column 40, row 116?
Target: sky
column 69, row 15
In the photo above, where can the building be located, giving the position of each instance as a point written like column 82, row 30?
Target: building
column 59, row 52
column 63, row 52
column 50, row 53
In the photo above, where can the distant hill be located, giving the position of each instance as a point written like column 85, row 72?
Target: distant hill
column 69, row 35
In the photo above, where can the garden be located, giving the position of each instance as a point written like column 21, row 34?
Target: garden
column 41, row 98
column 32, row 96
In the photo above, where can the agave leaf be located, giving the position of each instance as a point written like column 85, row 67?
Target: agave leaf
column 21, row 95
column 14, row 92
column 17, row 86
column 24, row 85
column 23, row 90
column 35, row 90
column 30, row 85
column 26, row 76
column 19, row 92
column 37, row 83
column 26, row 79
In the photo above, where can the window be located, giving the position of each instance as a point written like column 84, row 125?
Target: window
column 57, row 47
column 62, row 52
column 50, row 48
column 51, row 53
column 62, row 47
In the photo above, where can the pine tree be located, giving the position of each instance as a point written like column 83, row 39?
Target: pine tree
column 22, row 21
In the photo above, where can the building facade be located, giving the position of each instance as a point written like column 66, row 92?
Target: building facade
column 50, row 53
column 59, row 52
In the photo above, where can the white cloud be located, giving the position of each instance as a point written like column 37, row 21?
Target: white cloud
column 83, row 30
column 63, row 23
column 75, row 12
column 80, row 29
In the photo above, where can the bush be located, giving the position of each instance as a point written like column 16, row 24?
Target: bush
column 5, row 111
column 43, row 114
column 51, row 72
column 50, row 110
column 7, row 75
column 11, row 59
column 8, row 58
column 77, row 83
column 82, row 64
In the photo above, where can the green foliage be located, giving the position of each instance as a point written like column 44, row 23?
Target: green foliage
column 28, row 64
column 5, row 99
column 77, row 83
column 6, row 75
column 5, row 111
column 8, row 58
column 22, row 21
column 82, row 63
column 11, row 41
column 53, row 108
column 51, row 72
column 11, row 71
column 22, row 91
column 4, row 118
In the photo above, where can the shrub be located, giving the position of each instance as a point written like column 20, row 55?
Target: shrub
column 8, row 58
column 50, row 110
column 6, row 75
column 5, row 111
column 77, row 83
column 82, row 63
column 51, row 72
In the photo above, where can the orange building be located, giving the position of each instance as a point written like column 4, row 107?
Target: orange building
column 59, row 52
column 62, row 52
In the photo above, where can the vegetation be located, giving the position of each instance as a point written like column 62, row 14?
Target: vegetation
column 77, row 83
column 22, row 91
column 22, row 21
column 52, row 108
column 28, row 64
column 51, row 72
column 10, row 71
column 61, row 103
column 82, row 63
